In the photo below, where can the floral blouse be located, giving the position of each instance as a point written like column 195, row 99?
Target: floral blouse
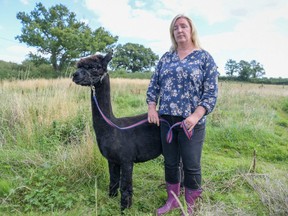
column 183, row 85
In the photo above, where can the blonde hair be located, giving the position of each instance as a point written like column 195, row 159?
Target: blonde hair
column 194, row 34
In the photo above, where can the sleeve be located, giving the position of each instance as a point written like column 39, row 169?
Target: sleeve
column 152, row 94
column 210, row 84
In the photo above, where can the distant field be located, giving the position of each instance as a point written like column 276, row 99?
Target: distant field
column 50, row 163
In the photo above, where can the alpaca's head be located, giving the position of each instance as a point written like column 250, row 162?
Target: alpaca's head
column 91, row 69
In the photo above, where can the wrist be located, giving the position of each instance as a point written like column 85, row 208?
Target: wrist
column 151, row 104
column 199, row 112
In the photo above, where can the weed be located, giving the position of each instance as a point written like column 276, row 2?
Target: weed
column 5, row 187
column 285, row 106
column 43, row 191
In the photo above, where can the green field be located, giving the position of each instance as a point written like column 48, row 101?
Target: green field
column 50, row 163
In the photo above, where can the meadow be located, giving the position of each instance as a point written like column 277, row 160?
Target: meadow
column 50, row 163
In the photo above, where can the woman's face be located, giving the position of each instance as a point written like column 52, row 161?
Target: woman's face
column 182, row 31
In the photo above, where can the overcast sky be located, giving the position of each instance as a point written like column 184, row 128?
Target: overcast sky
column 228, row 29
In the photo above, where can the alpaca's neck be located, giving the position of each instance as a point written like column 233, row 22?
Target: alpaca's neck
column 104, row 100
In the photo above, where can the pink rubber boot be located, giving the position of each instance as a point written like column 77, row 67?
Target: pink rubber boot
column 171, row 202
column 190, row 197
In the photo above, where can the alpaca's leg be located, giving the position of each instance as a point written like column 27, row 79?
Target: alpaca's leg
column 126, row 187
column 114, row 171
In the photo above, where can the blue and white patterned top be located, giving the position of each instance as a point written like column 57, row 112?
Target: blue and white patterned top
column 183, row 85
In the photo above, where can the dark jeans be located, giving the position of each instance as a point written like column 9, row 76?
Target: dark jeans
column 181, row 147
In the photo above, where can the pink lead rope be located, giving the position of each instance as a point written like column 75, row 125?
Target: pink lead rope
column 169, row 134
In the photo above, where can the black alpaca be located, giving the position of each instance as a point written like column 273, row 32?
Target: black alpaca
column 121, row 148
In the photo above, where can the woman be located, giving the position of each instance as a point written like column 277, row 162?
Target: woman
column 185, row 86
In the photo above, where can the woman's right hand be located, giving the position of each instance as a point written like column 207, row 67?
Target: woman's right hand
column 153, row 114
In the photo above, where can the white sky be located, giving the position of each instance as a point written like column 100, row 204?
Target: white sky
column 239, row 29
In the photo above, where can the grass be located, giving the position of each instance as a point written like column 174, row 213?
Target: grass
column 50, row 163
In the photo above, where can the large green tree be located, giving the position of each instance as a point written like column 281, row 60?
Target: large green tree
column 59, row 37
column 133, row 58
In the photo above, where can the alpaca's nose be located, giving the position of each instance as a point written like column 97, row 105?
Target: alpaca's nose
column 75, row 75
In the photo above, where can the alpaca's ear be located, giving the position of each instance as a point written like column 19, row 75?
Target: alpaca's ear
column 107, row 58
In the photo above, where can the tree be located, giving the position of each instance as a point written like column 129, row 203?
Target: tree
column 244, row 69
column 231, row 67
column 59, row 37
column 257, row 69
column 133, row 57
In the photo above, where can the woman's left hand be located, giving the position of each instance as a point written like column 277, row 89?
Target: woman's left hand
column 191, row 121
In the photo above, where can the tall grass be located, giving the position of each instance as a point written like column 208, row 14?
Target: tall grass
column 50, row 163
